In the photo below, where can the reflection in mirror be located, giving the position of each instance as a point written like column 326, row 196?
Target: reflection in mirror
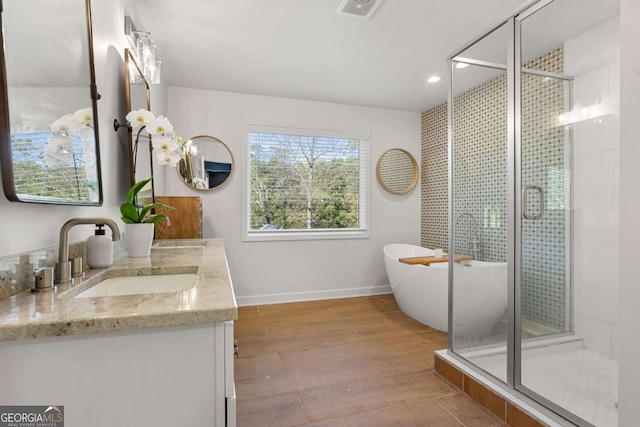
column 207, row 163
column 140, row 155
column 397, row 171
column 48, row 143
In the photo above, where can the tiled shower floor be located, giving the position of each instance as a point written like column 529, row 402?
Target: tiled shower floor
column 579, row 380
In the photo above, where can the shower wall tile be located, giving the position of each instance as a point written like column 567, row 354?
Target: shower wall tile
column 592, row 49
column 596, row 256
column 613, row 96
column 595, row 201
column 614, row 171
column 604, row 221
column 591, row 88
column 597, row 334
column 614, row 342
column 592, row 59
column 597, row 298
column 597, row 135
column 591, row 173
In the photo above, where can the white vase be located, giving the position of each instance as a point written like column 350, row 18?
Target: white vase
column 139, row 238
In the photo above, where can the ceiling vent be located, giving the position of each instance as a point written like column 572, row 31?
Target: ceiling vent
column 359, row 8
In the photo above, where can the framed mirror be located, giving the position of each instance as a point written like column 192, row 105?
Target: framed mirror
column 397, row 171
column 207, row 163
column 49, row 150
column 138, row 96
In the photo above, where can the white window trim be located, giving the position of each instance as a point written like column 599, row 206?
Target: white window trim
column 249, row 235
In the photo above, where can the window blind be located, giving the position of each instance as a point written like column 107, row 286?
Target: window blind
column 66, row 179
column 306, row 181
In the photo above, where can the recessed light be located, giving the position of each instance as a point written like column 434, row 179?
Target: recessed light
column 433, row 79
column 461, row 65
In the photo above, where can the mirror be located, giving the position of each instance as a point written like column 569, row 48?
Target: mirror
column 207, row 163
column 49, row 151
column 397, row 171
column 138, row 96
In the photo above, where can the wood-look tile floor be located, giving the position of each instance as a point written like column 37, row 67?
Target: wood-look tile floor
column 344, row 362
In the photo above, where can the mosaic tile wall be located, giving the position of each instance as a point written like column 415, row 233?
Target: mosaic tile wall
column 434, row 179
column 481, row 181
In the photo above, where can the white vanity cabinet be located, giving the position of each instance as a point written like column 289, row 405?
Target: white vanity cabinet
column 176, row 376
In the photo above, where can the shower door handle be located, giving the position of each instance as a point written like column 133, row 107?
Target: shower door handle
column 525, row 190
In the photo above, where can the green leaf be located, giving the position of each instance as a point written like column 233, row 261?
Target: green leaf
column 163, row 206
column 145, row 210
column 129, row 213
column 135, row 189
column 156, row 218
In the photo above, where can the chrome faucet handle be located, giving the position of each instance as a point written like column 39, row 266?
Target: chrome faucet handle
column 76, row 267
column 44, row 280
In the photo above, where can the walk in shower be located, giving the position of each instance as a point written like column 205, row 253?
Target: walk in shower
column 533, row 186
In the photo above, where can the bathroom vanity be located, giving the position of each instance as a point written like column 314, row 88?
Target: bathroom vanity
column 158, row 358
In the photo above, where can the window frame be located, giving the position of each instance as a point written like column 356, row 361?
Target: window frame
column 249, row 235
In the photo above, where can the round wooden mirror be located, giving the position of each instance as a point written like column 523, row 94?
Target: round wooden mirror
column 397, row 171
column 207, row 163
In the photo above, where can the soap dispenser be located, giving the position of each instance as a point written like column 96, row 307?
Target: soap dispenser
column 99, row 249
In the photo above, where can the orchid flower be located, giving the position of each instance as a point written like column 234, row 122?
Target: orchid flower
column 64, row 124
column 138, row 118
column 166, row 144
column 59, row 151
column 160, row 126
column 83, row 117
column 168, row 157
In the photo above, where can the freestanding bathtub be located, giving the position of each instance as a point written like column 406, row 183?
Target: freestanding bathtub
column 480, row 291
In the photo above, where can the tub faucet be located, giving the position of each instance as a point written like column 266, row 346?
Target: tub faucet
column 63, row 266
column 473, row 241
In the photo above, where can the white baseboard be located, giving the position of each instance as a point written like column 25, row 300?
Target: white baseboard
column 311, row 296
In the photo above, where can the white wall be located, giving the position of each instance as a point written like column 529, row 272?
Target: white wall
column 266, row 272
column 629, row 342
column 593, row 59
column 32, row 226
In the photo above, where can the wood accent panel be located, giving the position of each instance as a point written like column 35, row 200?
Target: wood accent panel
column 185, row 222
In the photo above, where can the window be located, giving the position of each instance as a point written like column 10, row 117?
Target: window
column 306, row 184
column 59, row 174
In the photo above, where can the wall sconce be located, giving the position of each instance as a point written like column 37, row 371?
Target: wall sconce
column 145, row 51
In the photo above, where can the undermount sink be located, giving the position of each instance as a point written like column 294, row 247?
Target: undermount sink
column 135, row 285
column 134, row 281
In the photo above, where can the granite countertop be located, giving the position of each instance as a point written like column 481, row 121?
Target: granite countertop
column 30, row 315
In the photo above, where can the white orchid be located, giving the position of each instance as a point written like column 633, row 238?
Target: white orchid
column 160, row 126
column 168, row 147
column 168, row 158
column 59, row 151
column 166, row 144
column 138, row 118
column 83, row 117
column 72, row 123
column 64, row 124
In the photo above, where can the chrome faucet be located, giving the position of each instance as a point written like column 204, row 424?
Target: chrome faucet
column 63, row 266
column 473, row 241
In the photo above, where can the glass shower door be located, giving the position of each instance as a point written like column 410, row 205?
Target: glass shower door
column 564, row 89
column 479, row 207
